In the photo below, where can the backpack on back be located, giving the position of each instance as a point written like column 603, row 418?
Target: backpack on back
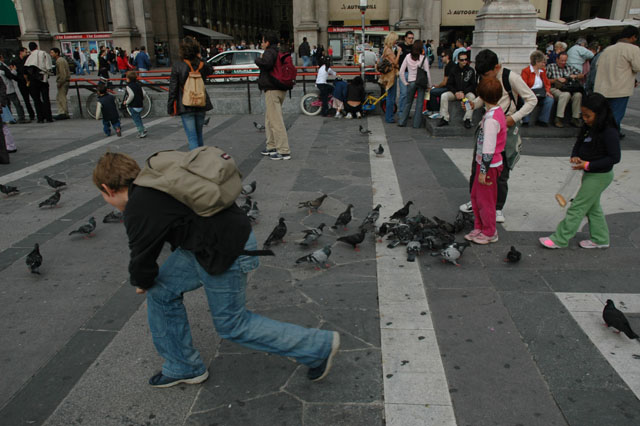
column 284, row 72
column 194, row 94
column 205, row 179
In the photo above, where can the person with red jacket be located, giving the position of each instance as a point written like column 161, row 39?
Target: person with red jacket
column 535, row 75
column 123, row 66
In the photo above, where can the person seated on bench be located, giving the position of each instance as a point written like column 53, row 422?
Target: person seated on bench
column 565, row 86
column 355, row 98
column 535, row 75
column 460, row 84
column 436, row 91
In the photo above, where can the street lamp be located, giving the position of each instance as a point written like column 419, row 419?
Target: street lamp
column 363, row 8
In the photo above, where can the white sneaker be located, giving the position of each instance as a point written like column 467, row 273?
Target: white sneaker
column 499, row 216
column 466, row 207
column 434, row 116
column 349, row 115
column 358, row 114
column 338, row 115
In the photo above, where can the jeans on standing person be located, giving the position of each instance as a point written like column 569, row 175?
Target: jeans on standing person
column 142, row 73
column 137, row 119
column 390, row 102
column 192, row 123
column 403, row 94
column 618, row 107
column 7, row 117
column 78, row 67
column 306, row 61
column 417, row 116
column 106, row 126
column 546, row 104
column 440, row 63
column 226, row 295
column 325, row 89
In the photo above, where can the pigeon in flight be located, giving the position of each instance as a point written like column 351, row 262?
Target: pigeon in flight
column 318, row 257
column 371, row 219
column 413, row 249
column 258, row 126
column 364, row 131
column 8, row 190
column 86, row 229
column 51, row 201
column 379, row 151
column 313, row 204
column 513, row 256
column 344, row 218
column 452, row 253
column 613, row 317
column 248, row 189
column 113, row 217
column 312, row 235
column 55, row 184
column 277, row 234
column 402, row 213
column 34, row 260
column 354, row 239
column 254, row 212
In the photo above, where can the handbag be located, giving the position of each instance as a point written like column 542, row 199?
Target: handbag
column 540, row 92
column 384, row 66
column 422, row 79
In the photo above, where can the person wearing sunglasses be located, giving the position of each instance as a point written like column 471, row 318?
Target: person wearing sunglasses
column 460, row 84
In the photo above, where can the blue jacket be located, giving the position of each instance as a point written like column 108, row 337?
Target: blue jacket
column 340, row 90
column 142, row 61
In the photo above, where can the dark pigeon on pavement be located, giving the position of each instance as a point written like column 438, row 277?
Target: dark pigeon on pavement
column 379, row 151
column 253, row 212
column 248, row 189
column 113, row 217
column 51, row 201
column 87, row 229
column 354, row 239
column 402, row 213
column 55, row 184
column 364, row 131
column 313, row 204
column 413, row 249
column 277, row 234
column 613, row 317
column 369, row 222
column 344, row 218
column 312, row 235
column 247, row 205
column 258, row 126
column 513, row 256
column 34, row 260
column 8, row 190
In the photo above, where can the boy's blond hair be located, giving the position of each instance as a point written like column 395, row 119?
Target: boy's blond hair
column 116, row 170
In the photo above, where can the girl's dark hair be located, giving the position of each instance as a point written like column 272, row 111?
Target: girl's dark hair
column 357, row 81
column 604, row 116
column 189, row 48
column 416, row 50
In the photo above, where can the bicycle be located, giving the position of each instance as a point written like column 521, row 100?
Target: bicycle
column 92, row 102
column 310, row 104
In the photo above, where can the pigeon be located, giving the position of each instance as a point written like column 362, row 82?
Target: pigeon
column 402, row 213
column 364, row 131
column 8, row 190
column 55, row 184
column 444, row 225
column 318, row 257
column 402, row 234
column 312, row 235
column 344, row 218
column 379, row 151
column 246, row 206
column 277, row 234
column 34, row 260
column 51, row 201
column 372, row 218
column 113, row 217
column 452, row 253
column 249, row 188
column 313, row 204
column 613, row 317
column 86, row 229
column 513, row 256
column 254, row 212
column 354, row 239
column 413, row 249
column 259, row 127
column 463, row 221
column 383, row 230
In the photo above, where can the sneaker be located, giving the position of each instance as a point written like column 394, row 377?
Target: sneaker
column 484, row 239
column 467, row 124
column 142, row 135
column 548, row 243
column 268, row 151
column 471, row 235
column 576, row 122
column 349, row 116
column 162, row 381
column 499, row 216
column 558, row 122
column 278, row 156
column 443, row 122
column 338, row 115
column 318, row 373
column 118, row 132
column 466, row 207
column 358, row 115
column 435, row 115
column 588, row 244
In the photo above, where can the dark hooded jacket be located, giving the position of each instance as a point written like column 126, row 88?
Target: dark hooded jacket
column 179, row 74
column 266, row 63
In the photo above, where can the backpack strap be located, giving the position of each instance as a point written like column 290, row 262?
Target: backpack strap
column 257, row 253
column 507, row 86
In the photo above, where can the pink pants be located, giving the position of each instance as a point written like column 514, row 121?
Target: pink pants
column 8, row 139
column 483, row 200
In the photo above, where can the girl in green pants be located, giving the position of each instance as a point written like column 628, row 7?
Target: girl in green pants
column 596, row 151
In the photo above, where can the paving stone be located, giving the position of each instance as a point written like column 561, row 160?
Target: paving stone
column 343, row 414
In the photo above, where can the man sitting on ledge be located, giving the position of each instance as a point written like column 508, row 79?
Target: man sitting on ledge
column 460, row 84
column 565, row 86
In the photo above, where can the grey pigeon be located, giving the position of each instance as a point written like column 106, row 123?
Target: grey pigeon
column 354, row 239
column 413, row 249
column 8, row 190
column 277, row 234
column 55, row 184
column 246, row 206
column 371, row 219
column 344, row 218
column 613, row 317
column 86, row 229
column 318, row 257
column 254, row 212
column 51, row 201
column 249, row 188
column 513, row 256
column 452, row 253
column 402, row 213
column 364, row 131
column 34, row 260
column 313, row 204
column 312, row 235
column 379, row 151
column 113, row 217
column 258, row 126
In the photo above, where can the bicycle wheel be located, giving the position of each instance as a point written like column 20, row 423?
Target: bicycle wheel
column 383, row 105
column 91, row 103
column 310, row 104
column 146, row 108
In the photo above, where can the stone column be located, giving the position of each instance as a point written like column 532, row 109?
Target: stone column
column 507, row 27
column 125, row 34
column 308, row 22
column 409, row 14
column 554, row 14
column 395, row 8
column 31, row 26
column 431, row 20
column 619, row 9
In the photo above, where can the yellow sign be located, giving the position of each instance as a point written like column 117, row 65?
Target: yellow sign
column 459, row 13
column 349, row 11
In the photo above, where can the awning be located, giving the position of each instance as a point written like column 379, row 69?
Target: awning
column 544, row 26
column 8, row 15
column 600, row 23
column 209, row 33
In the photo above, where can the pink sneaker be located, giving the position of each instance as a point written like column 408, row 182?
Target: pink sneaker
column 588, row 244
column 471, row 235
column 548, row 243
column 483, row 239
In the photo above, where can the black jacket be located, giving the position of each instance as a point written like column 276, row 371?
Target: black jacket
column 179, row 74
column 462, row 80
column 137, row 101
column 266, row 63
column 19, row 63
column 304, row 49
column 109, row 107
column 600, row 149
column 152, row 218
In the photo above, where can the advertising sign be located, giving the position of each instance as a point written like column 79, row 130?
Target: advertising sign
column 349, row 10
column 459, row 13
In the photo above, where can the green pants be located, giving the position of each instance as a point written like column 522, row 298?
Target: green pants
column 586, row 203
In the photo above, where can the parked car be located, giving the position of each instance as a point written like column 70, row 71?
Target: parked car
column 236, row 62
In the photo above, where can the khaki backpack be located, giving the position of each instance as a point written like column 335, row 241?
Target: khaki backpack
column 205, row 179
column 193, row 93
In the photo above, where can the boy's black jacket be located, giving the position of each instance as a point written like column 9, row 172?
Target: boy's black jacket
column 152, row 217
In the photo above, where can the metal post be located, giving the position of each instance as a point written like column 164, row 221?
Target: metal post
column 79, row 101
column 249, row 94
column 363, row 8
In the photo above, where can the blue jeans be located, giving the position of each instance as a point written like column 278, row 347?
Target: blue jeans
column 78, row 67
column 545, row 110
column 7, row 117
column 169, row 324
column 440, row 63
column 417, row 116
column 137, row 119
column 390, row 100
column 618, row 107
column 106, row 125
column 192, row 123
column 306, row 61
column 403, row 94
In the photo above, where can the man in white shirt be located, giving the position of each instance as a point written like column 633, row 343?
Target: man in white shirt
column 37, row 68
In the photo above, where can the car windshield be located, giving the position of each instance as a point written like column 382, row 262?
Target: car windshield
column 224, row 59
column 244, row 58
